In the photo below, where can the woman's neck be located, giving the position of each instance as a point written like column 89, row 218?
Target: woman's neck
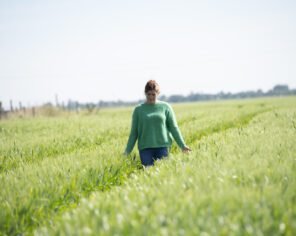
column 151, row 103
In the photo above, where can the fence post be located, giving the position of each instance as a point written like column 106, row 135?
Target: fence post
column 11, row 106
column 57, row 100
column 33, row 111
column 76, row 107
column 0, row 110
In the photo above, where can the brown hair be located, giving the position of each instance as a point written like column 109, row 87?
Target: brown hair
column 152, row 85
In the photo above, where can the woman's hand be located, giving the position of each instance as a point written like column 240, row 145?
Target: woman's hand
column 186, row 149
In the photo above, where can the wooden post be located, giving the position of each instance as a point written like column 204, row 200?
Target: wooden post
column 11, row 106
column 57, row 100
column 76, row 107
column 33, row 111
column 0, row 110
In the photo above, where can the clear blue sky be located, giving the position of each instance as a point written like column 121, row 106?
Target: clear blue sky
column 107, row 50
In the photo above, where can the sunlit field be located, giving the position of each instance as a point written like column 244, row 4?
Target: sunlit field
column 66, row 175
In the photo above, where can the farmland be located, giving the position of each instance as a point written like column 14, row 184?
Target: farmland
column 66, row 175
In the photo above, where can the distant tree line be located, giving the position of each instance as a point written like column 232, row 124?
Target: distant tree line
column 71, row 105
column 278, row 90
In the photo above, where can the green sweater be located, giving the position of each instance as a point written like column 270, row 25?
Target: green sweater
column 153, row 125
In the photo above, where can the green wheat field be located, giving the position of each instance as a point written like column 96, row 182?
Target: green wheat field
column 66, row 175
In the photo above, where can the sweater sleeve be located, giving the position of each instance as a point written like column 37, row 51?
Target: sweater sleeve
column 173, row 127
column 133, row 133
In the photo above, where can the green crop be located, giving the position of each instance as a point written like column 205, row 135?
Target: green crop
column 67, row 175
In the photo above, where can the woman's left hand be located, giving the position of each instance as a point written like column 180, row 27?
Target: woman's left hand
column 186, row 149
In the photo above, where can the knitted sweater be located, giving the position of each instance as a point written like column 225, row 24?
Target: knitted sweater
column 153, row 125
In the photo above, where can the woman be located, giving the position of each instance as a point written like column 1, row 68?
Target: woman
column 153, row 122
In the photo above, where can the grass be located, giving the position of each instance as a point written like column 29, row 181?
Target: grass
column 238, row 180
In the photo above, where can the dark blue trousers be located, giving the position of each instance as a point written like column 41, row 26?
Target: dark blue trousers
column 149, row 155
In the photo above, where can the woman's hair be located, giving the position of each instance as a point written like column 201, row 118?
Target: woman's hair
column 152, row 85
